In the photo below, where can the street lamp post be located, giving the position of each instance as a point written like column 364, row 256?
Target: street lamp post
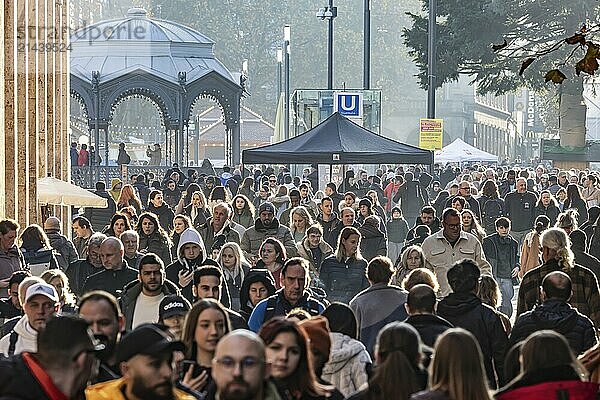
column 367, row 45
column 329, row 13
column 431, row 59
column 279, row 76
column 286, row 42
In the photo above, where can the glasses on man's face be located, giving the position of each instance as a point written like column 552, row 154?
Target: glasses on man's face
column 246, row 364
column 273, row 181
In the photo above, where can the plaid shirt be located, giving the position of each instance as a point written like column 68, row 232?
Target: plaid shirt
column 586, row 296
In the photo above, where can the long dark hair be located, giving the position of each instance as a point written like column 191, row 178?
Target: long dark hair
column 573, row 194
column 303, row 379
column 191, row 320
column 399, row 351
column 158, row 229
column 117, row 216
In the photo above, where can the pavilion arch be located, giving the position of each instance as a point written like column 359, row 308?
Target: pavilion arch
column 168, row 63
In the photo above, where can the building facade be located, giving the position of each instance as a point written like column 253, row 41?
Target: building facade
column 34, row 90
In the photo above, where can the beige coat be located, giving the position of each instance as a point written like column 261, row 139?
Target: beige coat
column 440, row 256
column 530, row 253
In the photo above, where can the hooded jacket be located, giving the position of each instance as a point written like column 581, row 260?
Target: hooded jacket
column 347, row 365
column 27, row 340
column 165, row 215
column 254, row 236
column 115, row 193
column 397, row 229
column 67, row 253
column 373, row 242
column 191, row 235
column 253, row 276
column 559, row 316
column 130, row 294
column 465, row 310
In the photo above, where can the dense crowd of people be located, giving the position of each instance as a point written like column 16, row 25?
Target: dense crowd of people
column 257, row 284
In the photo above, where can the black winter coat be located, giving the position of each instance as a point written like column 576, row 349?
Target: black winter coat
column 78, row 272
column 560, row 317
column 165, row 215
column 372, row 243
column 465, row 310
column 100, row 217
column 17, row 381
column 551, row 212
column 343, row 280
column 110, row 280
column 429, row 327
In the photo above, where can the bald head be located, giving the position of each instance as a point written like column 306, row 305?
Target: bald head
column 238, row 368
column 231, row 344
column 111, row 253
column 52, row 224
column 557, row 285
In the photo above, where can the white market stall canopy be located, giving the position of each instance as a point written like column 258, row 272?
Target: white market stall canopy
column 57, row 192
column 459, row 151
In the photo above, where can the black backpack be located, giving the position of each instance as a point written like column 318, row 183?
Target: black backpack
column 491, row 210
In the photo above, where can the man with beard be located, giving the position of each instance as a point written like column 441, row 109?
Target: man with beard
column 239, row 369
column 141, row 299
column 61, row 367
column 101, row 310
column 293, row 294
column 145, row 357
column 266, row 225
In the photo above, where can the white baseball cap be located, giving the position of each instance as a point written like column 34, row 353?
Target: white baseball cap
column 42, row 289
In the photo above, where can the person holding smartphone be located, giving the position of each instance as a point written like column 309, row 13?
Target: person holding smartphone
column 206, row 323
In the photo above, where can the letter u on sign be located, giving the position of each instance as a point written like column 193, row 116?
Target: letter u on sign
column 349, row 104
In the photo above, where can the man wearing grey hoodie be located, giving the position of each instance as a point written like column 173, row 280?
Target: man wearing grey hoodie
column 191, row 255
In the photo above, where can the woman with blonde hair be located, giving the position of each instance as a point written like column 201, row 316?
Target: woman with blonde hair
column 197, row 210
column 557, row 256
column 235, row 268
column 59, row 280
column 411, row 258
column 456, row 371
column 300, row 221
column 548, row 367
column 129, row 198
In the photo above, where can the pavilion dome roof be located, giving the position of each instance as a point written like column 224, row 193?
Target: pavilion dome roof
column 138, row 42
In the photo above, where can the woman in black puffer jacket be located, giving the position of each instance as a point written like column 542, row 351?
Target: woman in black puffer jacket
column 153, row 238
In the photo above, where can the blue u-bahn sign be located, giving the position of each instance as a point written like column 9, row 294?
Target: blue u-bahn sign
column 348, row 104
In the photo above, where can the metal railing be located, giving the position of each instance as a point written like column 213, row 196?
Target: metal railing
column 87, row 177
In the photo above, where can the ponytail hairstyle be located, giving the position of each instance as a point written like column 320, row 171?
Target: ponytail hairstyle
column 556, row 239
column 399, row 356
column 568, row 219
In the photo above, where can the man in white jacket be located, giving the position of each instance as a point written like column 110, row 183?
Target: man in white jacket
column 41, row 302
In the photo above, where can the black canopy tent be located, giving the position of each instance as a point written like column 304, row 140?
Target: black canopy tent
column 337, row 140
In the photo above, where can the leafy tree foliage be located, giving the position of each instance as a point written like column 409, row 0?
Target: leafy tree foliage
column 507, row 44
